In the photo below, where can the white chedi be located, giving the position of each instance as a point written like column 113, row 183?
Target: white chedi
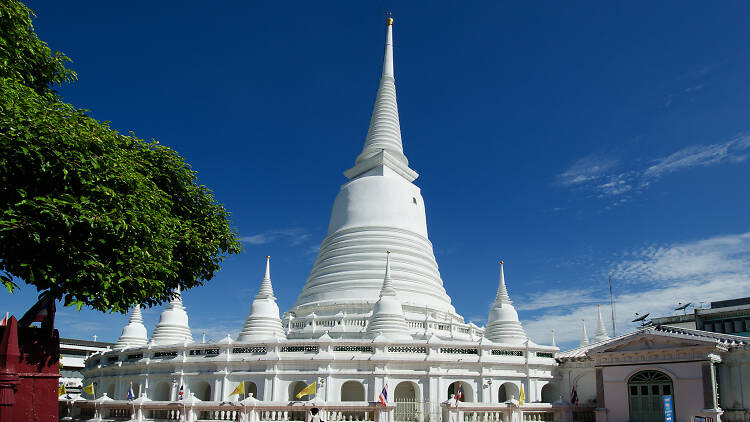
column 379, row 208
column 263, row 322
column 601, row 332
column 173, row 327
column 503, row 325
column 387, row 318
column 584, row 334
column 134, row 334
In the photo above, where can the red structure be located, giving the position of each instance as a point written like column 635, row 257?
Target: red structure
column 29, row 372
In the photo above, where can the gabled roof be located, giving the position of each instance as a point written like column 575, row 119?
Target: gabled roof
column 725, row 340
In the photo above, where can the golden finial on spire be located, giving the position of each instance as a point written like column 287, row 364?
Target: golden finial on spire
column 501, row 262
column 389, row 18
column 268, row 256
column 388, row 252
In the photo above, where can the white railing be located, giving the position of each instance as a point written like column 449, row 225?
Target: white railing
column 512, row 412
column 254, row 411
column 198, row 411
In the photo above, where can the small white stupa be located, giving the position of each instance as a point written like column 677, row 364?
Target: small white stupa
column 503, row 325
column 601, row 332
column 134, row 334
column 263, row 322
column 388, row 315
column 173, row 323
column 584, row 334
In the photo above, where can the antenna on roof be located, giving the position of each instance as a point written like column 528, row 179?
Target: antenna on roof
column 612, row 305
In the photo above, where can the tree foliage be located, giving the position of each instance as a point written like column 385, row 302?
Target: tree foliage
column 90, row 215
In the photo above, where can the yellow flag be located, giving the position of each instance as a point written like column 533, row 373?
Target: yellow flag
column 89, row 389
column 523, row 396
column 61, row 390
column 240, row 389
column 310, row 389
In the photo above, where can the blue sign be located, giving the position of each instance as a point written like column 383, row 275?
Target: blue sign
column 668, row 409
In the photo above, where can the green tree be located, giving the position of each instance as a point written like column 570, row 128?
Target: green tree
column 91, row 216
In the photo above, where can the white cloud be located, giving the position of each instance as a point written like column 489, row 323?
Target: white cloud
column 653, row 279
column 586, row 169
column 596, row 173
column 701, row 155
column 296, row 236
column 555, row 299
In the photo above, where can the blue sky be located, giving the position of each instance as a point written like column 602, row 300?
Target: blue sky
column 568, row 139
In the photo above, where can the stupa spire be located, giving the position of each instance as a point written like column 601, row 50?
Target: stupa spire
column 387, row 289
column 601, row 331
column 266, row 289
column 134, row 334
column 383, row 146
column 388, row 315
column 173, row 324
column 388, row 55
column 503, row 325
column 263, row 322
column 584, row 335
column 502, row 290
column 553, row 339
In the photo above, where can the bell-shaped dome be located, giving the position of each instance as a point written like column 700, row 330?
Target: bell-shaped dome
column 134, row 334
column 503, row 325
column 263, row 322
column 388, row 315
column 173, row 324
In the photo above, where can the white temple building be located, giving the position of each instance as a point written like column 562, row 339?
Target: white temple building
column 366, row 318
column 373, row 315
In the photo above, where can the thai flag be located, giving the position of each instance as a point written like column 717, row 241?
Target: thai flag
column 130, row 391
column 384, row 396
column 459, row 393
column 574, row 396
column 182, row 391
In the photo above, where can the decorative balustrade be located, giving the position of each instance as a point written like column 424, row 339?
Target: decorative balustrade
column 194, row 411
column 507, row 412
column 143, row 410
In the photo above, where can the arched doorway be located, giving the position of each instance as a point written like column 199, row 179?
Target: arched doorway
column 295, row 388
column 550, row 393
column 202, row 390
column 467, row 393
column 508, row 391
column 645, row 391
column 251, row 389
column 161, row 392
column 352, row 391
column 408, row 407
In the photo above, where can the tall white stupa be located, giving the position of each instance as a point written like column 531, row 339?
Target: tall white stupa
column 366, row 320
column 378, row 209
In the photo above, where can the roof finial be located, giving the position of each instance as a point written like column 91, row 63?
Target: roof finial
column 389, row 18
column 601, row 331
column 584, row 335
